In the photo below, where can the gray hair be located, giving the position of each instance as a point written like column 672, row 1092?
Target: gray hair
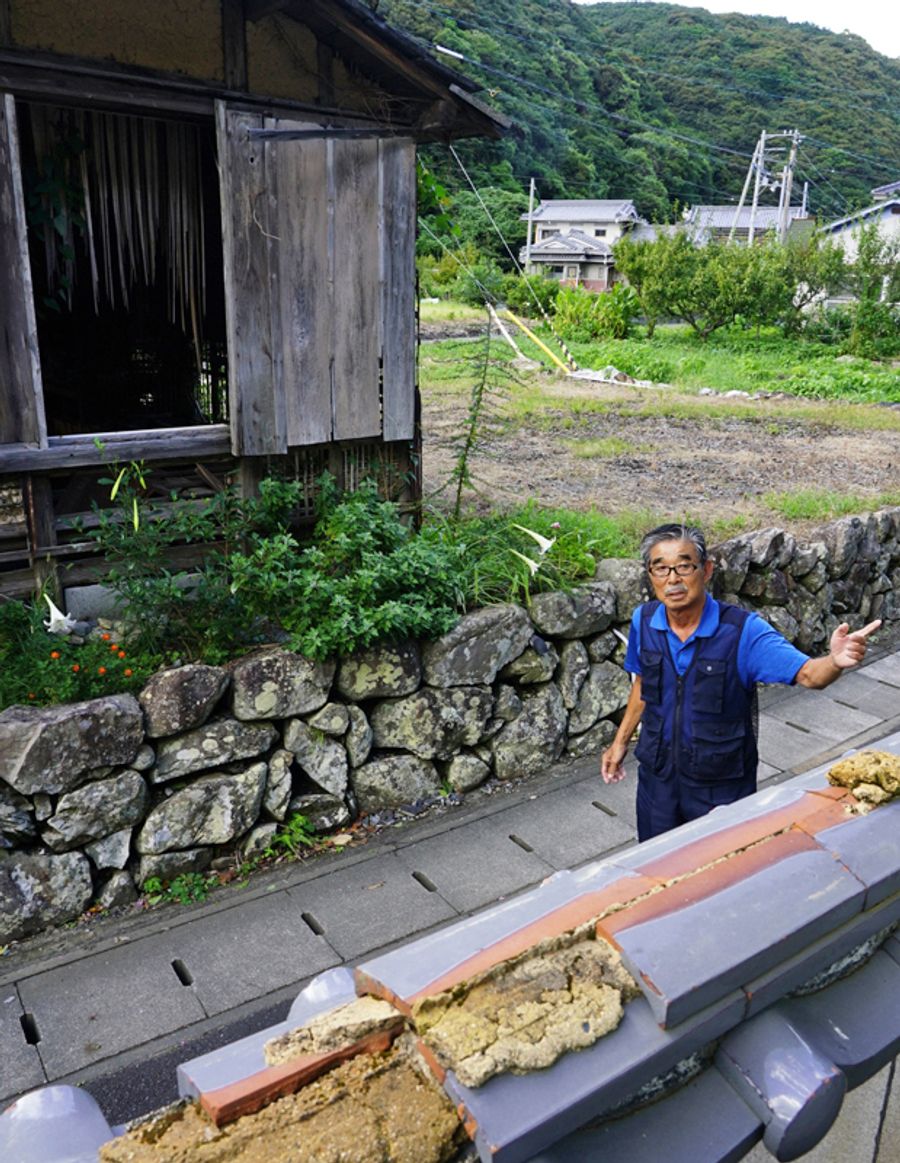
column 673, row 532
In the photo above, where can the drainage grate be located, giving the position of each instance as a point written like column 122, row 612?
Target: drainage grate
column 523, row 844
column 30, row 1029
column 603, row 808
column 311, row 923
column 182, row 972
column 424, row 881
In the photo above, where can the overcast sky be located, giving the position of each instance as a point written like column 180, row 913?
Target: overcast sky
column 877, row 21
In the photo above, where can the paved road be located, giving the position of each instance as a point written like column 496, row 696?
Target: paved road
column 115, row 1005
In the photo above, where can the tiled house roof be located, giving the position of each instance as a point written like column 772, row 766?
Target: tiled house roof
column 762, row 941
column 572, row 246
column 585, row 210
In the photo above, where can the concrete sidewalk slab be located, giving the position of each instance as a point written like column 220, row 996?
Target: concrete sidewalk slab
column 369, row 905
column 20, row 1063
column 825, row 717
column 475, row 865
column 245, row 952
column 786, row 747
column 867, row 694
column 100, row 1006
column 566, row 828
column 886, row 670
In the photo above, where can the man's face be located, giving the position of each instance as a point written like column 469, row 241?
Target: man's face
column 674, row 591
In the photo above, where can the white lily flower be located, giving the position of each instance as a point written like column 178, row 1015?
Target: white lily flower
column 58, row 622
column 534, row 566
column 544, row 544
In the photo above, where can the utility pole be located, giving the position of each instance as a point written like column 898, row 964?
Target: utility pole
column 787, row 180
column 755, row 162
column 759, row 171
column 530, row 214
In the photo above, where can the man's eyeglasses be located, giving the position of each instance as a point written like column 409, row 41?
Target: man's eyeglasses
column 682, row 569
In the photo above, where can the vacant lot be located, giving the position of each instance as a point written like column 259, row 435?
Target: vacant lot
column 731, row 463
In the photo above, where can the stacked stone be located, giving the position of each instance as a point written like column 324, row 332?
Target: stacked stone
column 97, row 797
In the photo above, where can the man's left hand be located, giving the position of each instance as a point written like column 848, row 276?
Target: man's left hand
column 849, row 649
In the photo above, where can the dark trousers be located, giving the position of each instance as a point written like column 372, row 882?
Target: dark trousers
column 664, row 800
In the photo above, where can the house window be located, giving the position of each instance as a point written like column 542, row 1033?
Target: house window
column 571, row 272
column 556, row 272
column 599, row 232
column 547, row 232
column 125, row 248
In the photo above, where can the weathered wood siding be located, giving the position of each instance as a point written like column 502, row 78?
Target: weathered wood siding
column 320, row 286
column 21, row 399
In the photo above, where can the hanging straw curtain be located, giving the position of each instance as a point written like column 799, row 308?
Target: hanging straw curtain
column 129, row 189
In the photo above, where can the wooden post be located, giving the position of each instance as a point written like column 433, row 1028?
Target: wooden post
column 40, row 522
column 234, row 42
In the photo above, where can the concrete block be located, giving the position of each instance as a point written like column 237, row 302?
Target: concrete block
column 474, row 865
column 366, row 906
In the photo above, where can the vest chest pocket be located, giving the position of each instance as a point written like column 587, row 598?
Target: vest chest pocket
column 651, row 676
column 709, row 685
column 718, row 750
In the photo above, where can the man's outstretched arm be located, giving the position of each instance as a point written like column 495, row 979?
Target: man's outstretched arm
column 612, row 760
column 846, row 649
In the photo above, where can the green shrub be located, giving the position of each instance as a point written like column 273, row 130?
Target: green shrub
column 527, row 294
column 585, row 315
column 39, row 669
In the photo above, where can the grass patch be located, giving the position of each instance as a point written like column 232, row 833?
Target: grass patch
column 448, row 311
column 604, row 448
column 825, row 505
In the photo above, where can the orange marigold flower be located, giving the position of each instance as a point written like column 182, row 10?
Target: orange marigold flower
column 128, row 672
column 114, row 646
column 106, row 637
column 101, row 670
column 32, row 695
column 54, row 654
column 76, row 668
column 121, row 654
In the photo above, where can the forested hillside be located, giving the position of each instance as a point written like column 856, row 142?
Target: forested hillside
column 661, row 103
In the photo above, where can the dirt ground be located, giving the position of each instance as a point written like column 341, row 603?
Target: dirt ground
column 710, row 469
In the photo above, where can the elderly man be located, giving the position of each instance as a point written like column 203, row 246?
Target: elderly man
column 696, row 663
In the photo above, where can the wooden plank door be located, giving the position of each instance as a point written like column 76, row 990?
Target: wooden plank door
column 22, row 417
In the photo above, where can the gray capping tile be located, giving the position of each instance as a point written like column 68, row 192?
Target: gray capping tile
column 515, row 1116
column 285, row 951
column 718, row 820
column 867, row 694
column 414, row 966
column 869, row 846
column 99, row 1006
column 793, row 972
column 244, row 1057
column 472, row 866
column 56, row 1124
column 367, row 906
column 793, row 1087
column 20, row 1063
column 702, row 1120
column 738, row 932
column 885, row 670
column 856, row 1021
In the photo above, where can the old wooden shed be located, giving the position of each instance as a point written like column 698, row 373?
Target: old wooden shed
column 207, row 229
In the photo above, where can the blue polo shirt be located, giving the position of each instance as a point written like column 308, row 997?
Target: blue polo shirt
column 764, row 655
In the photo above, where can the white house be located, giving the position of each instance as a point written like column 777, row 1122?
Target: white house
column 572, row 239
column 885, row 213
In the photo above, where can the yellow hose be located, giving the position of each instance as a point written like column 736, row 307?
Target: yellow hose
column 534, row 339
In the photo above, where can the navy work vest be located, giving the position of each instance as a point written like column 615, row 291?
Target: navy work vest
column 700, row 725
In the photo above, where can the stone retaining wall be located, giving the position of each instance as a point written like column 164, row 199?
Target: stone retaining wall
column 206, row 762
